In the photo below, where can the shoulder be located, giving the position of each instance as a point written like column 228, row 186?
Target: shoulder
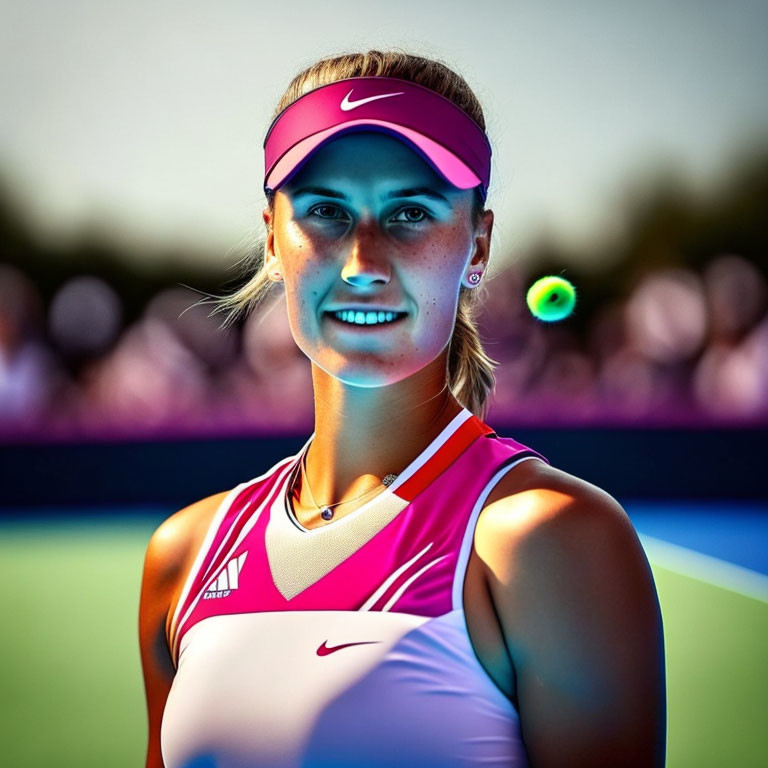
column 547, row 532
column 578, row 610
column 178, row 537
column 172, row 549
column 538, row 505
column 169, row 556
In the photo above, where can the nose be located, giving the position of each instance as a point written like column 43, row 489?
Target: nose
column 367, row 261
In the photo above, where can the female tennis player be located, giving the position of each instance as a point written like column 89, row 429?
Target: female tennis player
column 410, row 588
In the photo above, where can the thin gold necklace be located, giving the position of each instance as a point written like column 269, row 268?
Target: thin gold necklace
column 326, row 510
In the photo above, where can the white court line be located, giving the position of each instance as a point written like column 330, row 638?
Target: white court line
column 703, row 567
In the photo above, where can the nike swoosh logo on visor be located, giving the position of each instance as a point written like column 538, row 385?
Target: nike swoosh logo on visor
column 324, row 650
column 346, row 104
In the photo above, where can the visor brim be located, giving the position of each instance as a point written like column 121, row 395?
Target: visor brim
column 448, row 165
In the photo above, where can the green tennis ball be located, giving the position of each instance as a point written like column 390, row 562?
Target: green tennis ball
column 551, row 298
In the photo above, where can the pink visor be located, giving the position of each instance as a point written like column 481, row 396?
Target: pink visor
column 442, row 133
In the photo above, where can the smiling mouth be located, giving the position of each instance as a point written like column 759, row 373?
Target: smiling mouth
column 399, row 317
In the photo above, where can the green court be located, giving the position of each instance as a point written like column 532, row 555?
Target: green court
column 72, row 693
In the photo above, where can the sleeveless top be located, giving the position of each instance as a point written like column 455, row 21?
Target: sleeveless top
column 344, row 645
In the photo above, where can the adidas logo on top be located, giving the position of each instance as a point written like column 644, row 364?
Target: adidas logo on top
column 227, row 580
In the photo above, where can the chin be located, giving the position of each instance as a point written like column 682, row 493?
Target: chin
column 376, row 372
column 366, row 379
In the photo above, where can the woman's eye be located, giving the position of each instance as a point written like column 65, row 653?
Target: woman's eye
column 419, row 212
column 325, row 209
column 412, row 215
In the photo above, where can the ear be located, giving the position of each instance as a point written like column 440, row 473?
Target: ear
column 271, row 261
column 482, row 253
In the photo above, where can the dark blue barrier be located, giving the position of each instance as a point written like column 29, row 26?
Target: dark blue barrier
column 727, row 464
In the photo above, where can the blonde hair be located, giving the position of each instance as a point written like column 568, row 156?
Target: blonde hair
column 470, row 370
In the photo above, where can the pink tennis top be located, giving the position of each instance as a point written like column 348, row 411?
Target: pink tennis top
column 344, row 645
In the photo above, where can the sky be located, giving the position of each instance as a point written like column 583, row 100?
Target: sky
column 145, row 120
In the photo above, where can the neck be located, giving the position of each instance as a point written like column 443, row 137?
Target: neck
column 364, row 434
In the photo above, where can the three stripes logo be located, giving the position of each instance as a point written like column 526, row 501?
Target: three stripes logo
column 227, row 580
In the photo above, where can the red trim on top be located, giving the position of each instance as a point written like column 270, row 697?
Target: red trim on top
column 445, row 455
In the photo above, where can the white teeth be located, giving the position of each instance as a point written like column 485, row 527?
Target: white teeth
column 364, row 318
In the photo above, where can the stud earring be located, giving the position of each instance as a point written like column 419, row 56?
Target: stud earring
column 474, row 278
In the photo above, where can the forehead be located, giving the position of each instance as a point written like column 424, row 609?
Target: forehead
column 370, row 159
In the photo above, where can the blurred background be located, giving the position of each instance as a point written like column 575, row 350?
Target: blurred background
column 630, row 156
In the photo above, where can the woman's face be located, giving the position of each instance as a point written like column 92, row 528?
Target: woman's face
column 367, row 222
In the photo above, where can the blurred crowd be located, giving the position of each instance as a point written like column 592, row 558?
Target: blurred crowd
column 681, row 347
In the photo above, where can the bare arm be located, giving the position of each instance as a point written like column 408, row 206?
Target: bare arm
column 581, row 619
column 168, row 559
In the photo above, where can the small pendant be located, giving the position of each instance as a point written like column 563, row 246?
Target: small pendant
column 326, row 513
column 389, row 479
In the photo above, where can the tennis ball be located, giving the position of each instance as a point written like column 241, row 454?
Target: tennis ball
column 551, row 298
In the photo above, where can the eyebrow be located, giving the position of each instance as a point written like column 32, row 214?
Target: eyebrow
column 409, row 192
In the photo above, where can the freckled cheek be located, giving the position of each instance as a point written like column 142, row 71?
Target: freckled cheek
column 304, row 306
column 436, row 307
column 436, row 279
column 436, row 315
column 437, row 272
column 292, row 243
